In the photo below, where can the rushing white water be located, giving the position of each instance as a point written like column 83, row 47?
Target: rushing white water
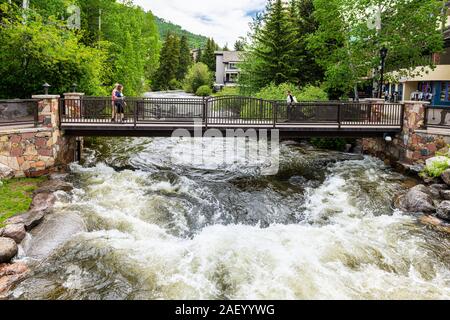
column 323, row 228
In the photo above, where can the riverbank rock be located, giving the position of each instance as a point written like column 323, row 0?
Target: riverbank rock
column 43, row 202
column 446, row 177
column 30, row 219
column 417, row 199
column 6, row 172
column 52, row 186
column 445, row 194
column 436, row 223
column 443, row 210
column 11, row 274
column 16, row 232
column 8, row 249
column 58, row 176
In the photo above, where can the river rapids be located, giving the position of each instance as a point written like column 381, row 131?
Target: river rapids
column 142, row 223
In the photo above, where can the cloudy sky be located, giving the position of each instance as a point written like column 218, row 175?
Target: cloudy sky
column 224, row 20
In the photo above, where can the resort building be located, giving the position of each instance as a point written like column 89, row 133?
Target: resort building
column 227, row 69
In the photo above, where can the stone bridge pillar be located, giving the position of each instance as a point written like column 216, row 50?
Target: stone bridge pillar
column 413, row 145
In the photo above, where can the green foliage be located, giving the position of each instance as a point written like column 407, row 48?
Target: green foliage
column 39, row 44
column 16, row 196
column 204, row 91
column 279, row 92
column 347, row 43
column 185, row 60
column 174, row 84
column 165, row 27
column 41, row 51
column 228, row 91
column 239, row 45
column 198, row 75
column 437, row 167
column 329, row 143
column 208, row 56
column 168, row 64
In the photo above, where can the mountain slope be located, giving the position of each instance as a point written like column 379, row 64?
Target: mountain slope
column 195, row 40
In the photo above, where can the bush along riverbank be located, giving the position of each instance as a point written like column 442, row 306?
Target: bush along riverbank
column 38, row 197
column 432, row 198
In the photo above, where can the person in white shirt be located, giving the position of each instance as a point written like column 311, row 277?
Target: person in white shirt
column 291, row 101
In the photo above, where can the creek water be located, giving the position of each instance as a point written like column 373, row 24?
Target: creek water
column 144, row 224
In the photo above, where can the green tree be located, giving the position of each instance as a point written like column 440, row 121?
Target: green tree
column 352, row 32
column 185, row 60
column 272, row 55
column 168, row 64
column 209, row 54
column 42, row 50
column 239, row 45
column 225, row 48
column 198, row 76
column 304, row 25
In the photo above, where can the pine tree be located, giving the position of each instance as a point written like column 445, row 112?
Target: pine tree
column 185, row 60
column 209, row 54
column 225, row 48
column 239, row 45
column 199, row 56
column 168, row 63
column 302, row 18
column 275, row 47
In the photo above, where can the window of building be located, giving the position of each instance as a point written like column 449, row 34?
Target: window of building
column 445, row 91
column 232, row 66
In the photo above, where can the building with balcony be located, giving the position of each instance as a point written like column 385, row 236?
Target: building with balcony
column 433, row 85
column 227, row 67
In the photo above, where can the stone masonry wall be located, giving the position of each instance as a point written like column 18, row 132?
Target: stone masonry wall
column 37, row 151
column 413, row 145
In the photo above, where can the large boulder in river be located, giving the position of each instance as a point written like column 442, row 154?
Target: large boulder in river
column 30, row 219
column 8, row 249
column 52, row 186
column 43, row 202
column 16, row 232
column 446, row 176
column 416, row 200
column 443, row 210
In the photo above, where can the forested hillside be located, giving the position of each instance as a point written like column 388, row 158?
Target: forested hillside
column 194, row 40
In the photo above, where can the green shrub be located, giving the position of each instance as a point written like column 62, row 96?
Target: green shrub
column 279, row 92
column 228, row 91
column 437, row 168
column 198, row 75
column 204, row 91
column 174, row 84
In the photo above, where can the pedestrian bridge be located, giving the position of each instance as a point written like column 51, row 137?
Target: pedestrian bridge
column 92, row 116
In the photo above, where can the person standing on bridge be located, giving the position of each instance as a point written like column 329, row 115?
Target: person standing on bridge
column 291, row 101
column 120, row 103
column 113, row 103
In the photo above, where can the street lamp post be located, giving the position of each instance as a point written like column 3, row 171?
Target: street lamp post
column 383, row 55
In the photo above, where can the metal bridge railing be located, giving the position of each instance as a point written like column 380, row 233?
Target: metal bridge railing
column 231, row 111
column 18, row 112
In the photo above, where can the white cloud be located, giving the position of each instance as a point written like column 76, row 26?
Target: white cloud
column 224, row 20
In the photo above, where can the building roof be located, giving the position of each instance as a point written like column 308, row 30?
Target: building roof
column 231, row 56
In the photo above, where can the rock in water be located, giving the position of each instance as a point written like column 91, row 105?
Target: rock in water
column 443, row 210
column 9, row 275
column 446, row 177
column 43, row 202
column 52, row 186
column 30, row 219
column 16, row 232
column 416, row 200
column 8, row 249
column 445, row 194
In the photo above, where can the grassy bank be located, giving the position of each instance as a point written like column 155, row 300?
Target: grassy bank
column 16, row 196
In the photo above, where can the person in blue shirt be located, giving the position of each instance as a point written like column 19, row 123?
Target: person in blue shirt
column 119, row 102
